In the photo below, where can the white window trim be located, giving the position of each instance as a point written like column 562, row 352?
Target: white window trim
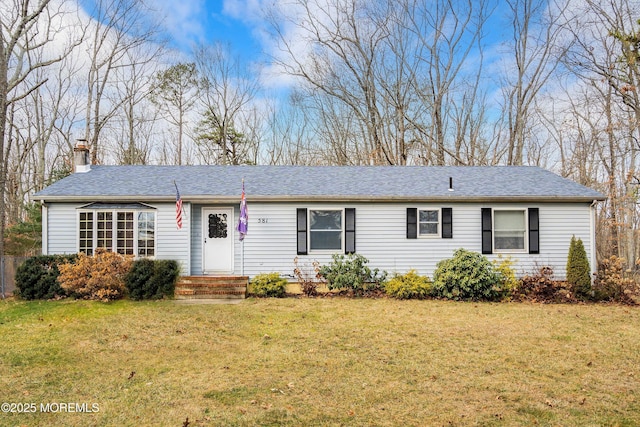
column 525, row 249
column 437, row 235
column 114, row 228
column 342, row 232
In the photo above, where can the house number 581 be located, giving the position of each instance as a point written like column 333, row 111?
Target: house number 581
column 263, row 220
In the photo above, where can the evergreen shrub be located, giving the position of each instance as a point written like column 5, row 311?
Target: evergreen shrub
column 351, row 273
column 268, row 285
column 578, row 271
column 408, row 286
column 467, row 276
column 37, row 277
column 508, row 281
column 152, row 279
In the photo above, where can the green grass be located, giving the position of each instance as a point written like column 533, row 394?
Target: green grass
column 321, row 362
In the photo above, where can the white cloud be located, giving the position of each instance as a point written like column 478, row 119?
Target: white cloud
column 183, row 20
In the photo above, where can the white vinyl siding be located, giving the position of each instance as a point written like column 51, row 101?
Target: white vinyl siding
column 62, row 228
column 172, row 243
column 270, row 245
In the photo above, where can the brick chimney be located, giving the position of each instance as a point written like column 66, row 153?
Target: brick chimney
column 81, row 161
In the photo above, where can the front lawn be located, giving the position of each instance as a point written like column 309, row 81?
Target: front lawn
column 318, row 362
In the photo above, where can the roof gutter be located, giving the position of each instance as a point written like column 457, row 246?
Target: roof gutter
column 320, row 199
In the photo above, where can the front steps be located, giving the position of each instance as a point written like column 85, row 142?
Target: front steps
column 198, row 288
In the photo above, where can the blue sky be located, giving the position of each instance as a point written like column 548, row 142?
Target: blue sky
column 238, row 24
column 228, row 22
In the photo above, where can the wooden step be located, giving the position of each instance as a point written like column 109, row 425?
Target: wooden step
column 211, row 287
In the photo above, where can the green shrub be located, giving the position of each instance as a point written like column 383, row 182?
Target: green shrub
column 152, row 279
column 351, row 273
column 37, row 277
column 508, row 280
column 467, row 276
column 408, row 286
column 268, row 285
column 578, row 272
column 97, row 277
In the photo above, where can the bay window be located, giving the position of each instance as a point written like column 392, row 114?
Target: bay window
column 128, row 229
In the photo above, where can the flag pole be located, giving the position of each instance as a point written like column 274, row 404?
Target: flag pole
column 242, row 262
column 242, row 249
column 242, row 226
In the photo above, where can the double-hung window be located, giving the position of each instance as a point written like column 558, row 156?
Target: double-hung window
column 325, row 229
column 128, row 229
column 429, row 223
column 509, row 230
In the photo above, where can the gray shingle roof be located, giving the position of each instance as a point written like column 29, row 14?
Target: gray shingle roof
column 321, row 183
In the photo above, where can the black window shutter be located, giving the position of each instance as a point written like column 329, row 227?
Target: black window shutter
column 301, row 228
column 412, row 223
column 487, row 243
column 349, row 230
column 447, row 223
column 534, row 231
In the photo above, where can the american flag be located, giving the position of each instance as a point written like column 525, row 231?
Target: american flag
column 178, row 208
column 244, row 217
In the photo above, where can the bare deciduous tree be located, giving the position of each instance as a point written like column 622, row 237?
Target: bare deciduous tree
column 136, row 119
column 26, row 35
column 341, row 67
column 381, row 77
column 447, row 37
column 118, row 28
column 535, row 59
column 227, row 133
column 604, row 58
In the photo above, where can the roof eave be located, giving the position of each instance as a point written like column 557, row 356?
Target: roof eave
column 324, row 199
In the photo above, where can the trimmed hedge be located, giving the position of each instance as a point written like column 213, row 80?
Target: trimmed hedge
column 37, row 277
column 152, row 279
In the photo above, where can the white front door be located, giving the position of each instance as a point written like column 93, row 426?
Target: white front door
column 217, row 231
